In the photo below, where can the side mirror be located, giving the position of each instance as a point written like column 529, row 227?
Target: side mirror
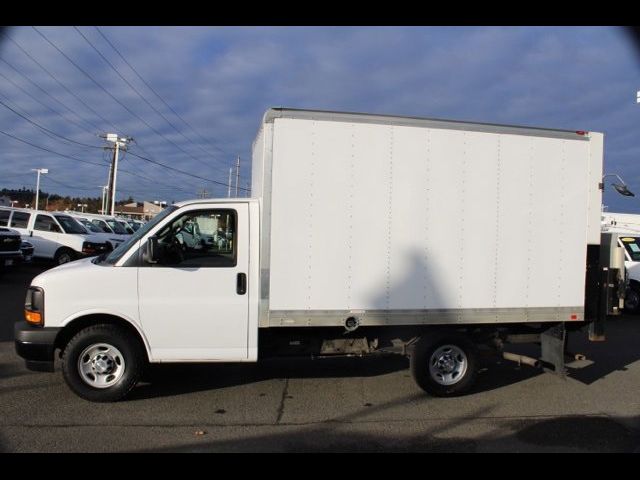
column 151, row 251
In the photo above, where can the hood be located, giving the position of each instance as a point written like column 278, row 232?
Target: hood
column 96, row 237
column 104, row 237
column 633, row 268
column 52, row 275
column 8, row 231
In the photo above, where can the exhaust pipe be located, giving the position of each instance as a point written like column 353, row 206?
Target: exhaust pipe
column 521, row 359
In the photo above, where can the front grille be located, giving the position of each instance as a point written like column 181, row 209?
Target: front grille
column 9, row 244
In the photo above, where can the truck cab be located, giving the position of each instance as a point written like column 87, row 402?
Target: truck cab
column 183, row 288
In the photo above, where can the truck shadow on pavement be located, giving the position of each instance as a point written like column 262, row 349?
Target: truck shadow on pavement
column 182, row 379
column 620, row 350
column 480, row 430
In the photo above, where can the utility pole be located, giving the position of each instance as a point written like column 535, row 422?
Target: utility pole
column 202, row 193
column 43, row 171
column 119, row 142
column 237, row 174
column 229, row 184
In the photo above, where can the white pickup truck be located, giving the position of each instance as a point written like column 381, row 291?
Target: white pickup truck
column 366, row 234
column 627, row 226
column 54, row 236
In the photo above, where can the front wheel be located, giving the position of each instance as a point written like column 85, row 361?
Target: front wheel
column 64, row 255
column 445, row 367
column 102, row 363
column 632, row 299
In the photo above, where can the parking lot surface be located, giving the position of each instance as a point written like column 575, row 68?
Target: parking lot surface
column 326, row 405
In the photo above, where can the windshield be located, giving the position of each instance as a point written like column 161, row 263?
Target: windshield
column 90, row 226
column 632, row 246
column 116, row 227
column 126, row 227
column 124, row 247
column 70, row 225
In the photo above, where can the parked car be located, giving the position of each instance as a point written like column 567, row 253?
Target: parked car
column 10, row 253
column 109, row 224
column 113, row 239
column 54, row 236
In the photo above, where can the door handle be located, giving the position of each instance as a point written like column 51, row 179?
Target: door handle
column 241, row 284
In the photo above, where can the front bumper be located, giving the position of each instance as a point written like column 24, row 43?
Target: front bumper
column 36, row 345
column 10, row 259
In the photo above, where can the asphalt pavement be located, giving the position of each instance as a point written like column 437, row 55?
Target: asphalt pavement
column 335, row 405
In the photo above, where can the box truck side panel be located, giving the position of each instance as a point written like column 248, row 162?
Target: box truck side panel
column 478, row 189
column 405, row 224
column 515, row 232
column 368, row 212
column 409, row 282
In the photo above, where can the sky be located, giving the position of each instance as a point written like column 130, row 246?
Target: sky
column 195, row 96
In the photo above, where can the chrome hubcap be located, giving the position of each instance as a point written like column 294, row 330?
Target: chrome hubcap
column 101, row 365
column 448, row 364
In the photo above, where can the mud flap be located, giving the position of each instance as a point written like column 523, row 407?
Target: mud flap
column 553, row 344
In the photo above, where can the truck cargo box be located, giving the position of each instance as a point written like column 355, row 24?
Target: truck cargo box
column 404, row 221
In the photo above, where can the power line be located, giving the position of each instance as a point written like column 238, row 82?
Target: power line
column 84, row 72
column 61, row 84
column 55, row 134
column 182, row 171
column 139, row 94
column 51, row 151
column 45, row 105
column 23, row 75
column 157, row 94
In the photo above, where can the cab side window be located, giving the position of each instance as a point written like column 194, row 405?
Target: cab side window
column 46, row 223
column 4, row 217
column 202, row 238
column 20, row 220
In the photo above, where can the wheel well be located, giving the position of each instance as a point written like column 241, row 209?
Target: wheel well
column 635, row 284
column 64, row 249
column 69, row 331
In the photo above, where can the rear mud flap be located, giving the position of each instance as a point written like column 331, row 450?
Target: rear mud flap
column 553, row 344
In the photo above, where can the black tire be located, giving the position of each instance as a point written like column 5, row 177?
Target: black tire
column 64, row 255
column 422, row 356
column 632, row 299
column 132, row 357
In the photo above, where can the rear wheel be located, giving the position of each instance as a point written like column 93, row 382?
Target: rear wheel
column 102, row 363
column 446, row 366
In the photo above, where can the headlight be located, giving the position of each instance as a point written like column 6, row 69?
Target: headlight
column 34, row 306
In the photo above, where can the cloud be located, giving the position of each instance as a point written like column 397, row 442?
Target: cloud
column 222, row 79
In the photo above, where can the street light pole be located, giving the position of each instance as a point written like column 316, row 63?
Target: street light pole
column 104, row 198
column 43, row 171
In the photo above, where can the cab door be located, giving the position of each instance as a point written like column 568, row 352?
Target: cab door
column 193, row 302
column 47, row 236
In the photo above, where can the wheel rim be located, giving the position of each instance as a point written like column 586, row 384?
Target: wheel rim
column 101, row 365
column 64, row 258
column 448, row 364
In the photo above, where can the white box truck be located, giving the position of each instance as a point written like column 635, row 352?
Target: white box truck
column 365, row 234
